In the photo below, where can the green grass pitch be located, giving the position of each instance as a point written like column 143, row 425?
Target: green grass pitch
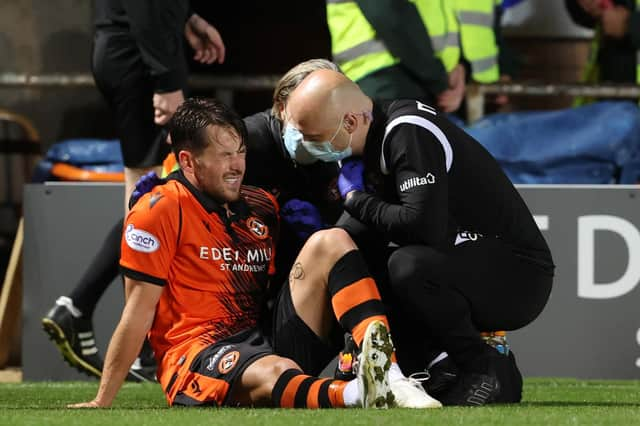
column 546, row 402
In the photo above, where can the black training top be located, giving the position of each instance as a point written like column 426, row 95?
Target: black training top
column 430, row 180
column 156, row 29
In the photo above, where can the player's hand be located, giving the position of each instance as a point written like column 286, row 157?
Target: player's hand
column 165, row 105
column 303, row 217
column 145, row 184
column 351, row 177
column 90, row 404
column 205, row 40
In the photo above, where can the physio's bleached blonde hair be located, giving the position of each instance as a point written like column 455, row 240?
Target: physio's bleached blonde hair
column 292, row 79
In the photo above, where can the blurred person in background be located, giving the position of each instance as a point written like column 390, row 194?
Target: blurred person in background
column 419, row 49
column 140, row 68
column 615, row 50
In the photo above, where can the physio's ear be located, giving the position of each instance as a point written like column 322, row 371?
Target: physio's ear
column 350, row 122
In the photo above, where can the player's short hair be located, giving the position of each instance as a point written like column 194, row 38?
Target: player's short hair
column 293, row 78
column 188, row 125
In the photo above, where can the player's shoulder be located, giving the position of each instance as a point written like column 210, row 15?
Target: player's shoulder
column 258, row 198
column 160, row 200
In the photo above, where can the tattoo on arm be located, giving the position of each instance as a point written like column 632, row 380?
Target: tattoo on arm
column 297, row 272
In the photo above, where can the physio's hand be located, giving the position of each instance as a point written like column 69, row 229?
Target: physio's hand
column 145, row 184
column 450, row 99
column 303, row 217
column 165, row 105
column 205, row 40
column 351, row 177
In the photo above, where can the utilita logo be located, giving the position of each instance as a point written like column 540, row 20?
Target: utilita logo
column 417, row 181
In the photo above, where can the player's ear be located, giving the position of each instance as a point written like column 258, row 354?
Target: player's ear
column 186, row 160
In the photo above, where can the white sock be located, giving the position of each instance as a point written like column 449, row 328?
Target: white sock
column 395, row 373
column 351, row 394
column 68, row 303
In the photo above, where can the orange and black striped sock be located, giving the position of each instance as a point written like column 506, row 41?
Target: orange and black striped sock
column 354, row 295
column 297, row 390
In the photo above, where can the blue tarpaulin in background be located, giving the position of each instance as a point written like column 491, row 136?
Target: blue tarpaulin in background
column 95, row 155
column 594, row 144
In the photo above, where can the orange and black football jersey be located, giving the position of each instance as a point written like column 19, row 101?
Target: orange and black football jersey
column 214, row 267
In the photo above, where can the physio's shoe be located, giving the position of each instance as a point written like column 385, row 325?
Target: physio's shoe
column 473, row 389
column 509, row 377
column 442, row 376
column 74, row 337
column 373, row 369
column 408, row 393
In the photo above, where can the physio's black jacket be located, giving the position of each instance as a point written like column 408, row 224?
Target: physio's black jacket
column 429, row 180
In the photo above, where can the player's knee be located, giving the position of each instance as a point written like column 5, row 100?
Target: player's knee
column 279, row 366
column 330, row 243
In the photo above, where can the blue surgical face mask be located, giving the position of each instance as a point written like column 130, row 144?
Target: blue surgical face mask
column 293, row 143
column 323, row 151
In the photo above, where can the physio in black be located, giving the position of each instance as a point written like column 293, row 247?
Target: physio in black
column 470, row 256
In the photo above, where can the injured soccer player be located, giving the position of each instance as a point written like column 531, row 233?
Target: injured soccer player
column 203, row 315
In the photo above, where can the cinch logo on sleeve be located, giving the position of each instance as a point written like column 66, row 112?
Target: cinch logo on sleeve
column 140, row 240
column 417, row 181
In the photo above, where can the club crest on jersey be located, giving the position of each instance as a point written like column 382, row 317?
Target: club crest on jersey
column 140, row 240
column 228, row 361
column 428, row 179
column 258, row 227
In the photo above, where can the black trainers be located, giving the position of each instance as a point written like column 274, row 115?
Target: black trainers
column 511, row 379
column 144, row 367
column 473, row 389
column 347, row 360
column 74, row 338
column 442, row 376
column 500, row 384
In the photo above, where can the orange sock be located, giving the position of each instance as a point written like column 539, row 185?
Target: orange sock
column 354, row 296
column 297, row 390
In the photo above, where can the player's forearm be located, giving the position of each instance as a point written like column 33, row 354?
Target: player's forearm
column 125, row 345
